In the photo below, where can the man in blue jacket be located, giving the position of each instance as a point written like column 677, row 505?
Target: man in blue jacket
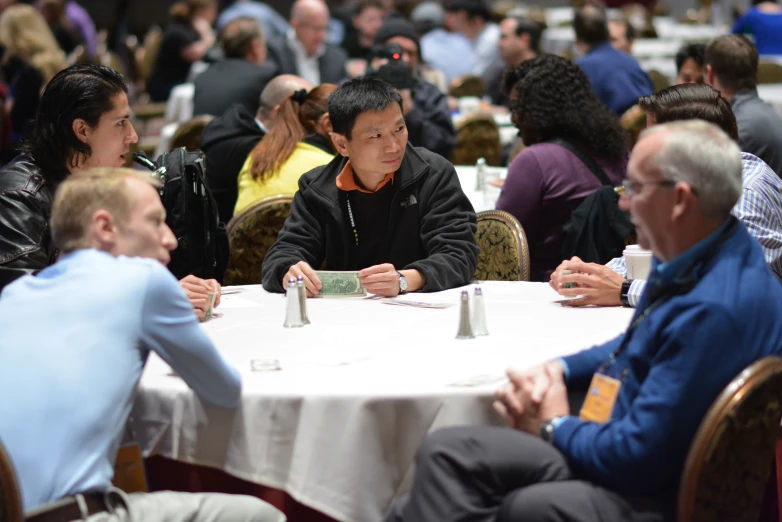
column 711, row 309
column 616, row 77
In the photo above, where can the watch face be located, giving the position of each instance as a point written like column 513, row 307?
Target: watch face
column 402, row 283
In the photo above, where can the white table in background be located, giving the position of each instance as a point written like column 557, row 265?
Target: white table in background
column 669, row 29
column 481, row 199
column 646, row 48
column 179, row 107
column 771, row 93
column 359, row 389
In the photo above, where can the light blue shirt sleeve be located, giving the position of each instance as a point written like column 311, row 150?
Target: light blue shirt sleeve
column 635, row 291
column 619, row 265
column 170, row 329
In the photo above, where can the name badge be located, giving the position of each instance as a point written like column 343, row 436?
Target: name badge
column 600, row 399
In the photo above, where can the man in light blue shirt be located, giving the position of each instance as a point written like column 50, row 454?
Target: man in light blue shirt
column 759, row 208
column 74, row 341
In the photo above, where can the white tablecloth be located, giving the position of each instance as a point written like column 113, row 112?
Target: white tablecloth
column 359, row 389
column 669, row 29
column 654, row 48
column 771, row 93
column 179, row 108
column 483, row 198
column 671, row 37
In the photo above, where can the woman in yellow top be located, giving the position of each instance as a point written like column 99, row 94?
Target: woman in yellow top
column 297, row 142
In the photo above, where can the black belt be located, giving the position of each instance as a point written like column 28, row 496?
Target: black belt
column 68, row 508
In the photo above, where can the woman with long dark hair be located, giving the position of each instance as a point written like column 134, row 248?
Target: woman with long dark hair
column 551, row 99
column 297, row 142
column 186, row 39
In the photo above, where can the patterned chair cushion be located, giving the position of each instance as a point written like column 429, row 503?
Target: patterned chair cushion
column 251, row 233
column 729, row 462
column 478, row 136
column 467, row 85
column 504, row 254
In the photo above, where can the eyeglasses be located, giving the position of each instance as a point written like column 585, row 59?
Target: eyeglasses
column 631, row 188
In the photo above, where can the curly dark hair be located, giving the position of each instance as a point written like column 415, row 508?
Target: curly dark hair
column 552, row 98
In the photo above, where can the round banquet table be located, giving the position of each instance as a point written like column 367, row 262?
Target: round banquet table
column 338, row 426
column 771, row 93
column 485, row 197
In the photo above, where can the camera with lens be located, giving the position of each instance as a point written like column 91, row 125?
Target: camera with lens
column 396, row 72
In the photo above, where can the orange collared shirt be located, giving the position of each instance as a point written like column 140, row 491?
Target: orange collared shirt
column 346, row 180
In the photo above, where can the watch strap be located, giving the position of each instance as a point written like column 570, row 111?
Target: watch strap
column 402, row 288
column 624, row 293
column 547, row 429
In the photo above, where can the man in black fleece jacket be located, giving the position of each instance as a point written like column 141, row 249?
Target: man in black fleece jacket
column 395, row 213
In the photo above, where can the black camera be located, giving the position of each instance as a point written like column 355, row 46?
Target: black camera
column 396, row 71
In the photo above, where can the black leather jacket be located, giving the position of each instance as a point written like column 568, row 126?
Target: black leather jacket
column 25, row 208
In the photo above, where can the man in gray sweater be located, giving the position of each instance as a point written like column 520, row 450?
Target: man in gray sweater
column 731, row 68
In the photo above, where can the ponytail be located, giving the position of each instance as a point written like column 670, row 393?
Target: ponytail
column 296, row 119
column 279, row 143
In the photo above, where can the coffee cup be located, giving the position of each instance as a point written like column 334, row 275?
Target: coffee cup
column 639, row 262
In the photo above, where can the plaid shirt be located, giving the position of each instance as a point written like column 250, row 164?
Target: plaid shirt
column 759, row 208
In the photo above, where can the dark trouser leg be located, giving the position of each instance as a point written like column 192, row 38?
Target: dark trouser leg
column 573, row 501
column 463, row 474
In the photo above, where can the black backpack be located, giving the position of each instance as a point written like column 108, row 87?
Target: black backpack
column 191, row 213
column 598, row 229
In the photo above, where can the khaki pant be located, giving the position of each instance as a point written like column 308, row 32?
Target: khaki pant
column 170, row 506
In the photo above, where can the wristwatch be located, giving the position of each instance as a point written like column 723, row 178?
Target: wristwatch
column 624, row 296
column 402, row 283
column 547, row 429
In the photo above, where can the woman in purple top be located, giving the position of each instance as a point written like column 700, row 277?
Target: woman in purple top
column 551, row 98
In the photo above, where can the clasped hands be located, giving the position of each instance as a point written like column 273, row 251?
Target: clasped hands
column 379, row 279
column 532, row 397
column 600, row 285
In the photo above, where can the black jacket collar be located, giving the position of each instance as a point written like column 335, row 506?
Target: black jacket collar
column 318, row 141
column 324, row 182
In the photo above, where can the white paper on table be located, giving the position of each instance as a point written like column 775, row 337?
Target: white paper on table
column 333, row 359
column 228, row 302
column 418, row 303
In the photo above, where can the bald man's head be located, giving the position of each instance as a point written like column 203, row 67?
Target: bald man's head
column 276, row 91
column 310, row 20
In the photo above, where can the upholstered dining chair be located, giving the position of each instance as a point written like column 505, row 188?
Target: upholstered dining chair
column 634, row 122
column 659, row 80
column 11, row 509
column 477, row 136
column 729, row 462
column 769, row 72
column 467, row 85
column 251, row 233
column 504, row 254
column 189, row 134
